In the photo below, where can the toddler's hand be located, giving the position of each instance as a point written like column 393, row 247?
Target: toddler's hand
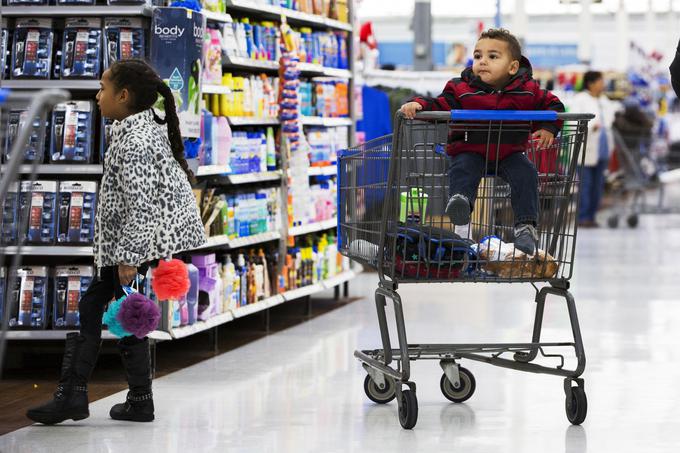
column 410, row 108
column 544, row 138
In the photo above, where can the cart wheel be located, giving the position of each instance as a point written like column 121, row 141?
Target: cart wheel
column 408, row 409
column 465, row 389
column 576, row 406
column 613, row 221
column 633, row 220
column 378, row 395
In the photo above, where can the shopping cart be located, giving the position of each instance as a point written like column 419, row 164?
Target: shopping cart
column 392, row 196
column 23, row 116
column 643, row 170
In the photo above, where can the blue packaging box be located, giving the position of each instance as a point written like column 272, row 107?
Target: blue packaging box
column 35, row 150
column 32, row 48
column 123, row 39
column 10, row 215
column 29, row 295
column 81, row 48
column 72, row 132
column 70, row 283
column 39, row 203
column 77, row 204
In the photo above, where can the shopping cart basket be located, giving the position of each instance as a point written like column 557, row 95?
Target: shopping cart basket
column 23, row 116
column 392, row 195
column 643, row 170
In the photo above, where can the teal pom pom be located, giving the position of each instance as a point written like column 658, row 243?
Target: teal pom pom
column 110, row 319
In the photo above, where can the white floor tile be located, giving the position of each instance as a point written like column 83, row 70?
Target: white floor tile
column 302, row 391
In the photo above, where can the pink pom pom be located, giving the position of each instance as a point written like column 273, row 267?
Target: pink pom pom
column 170, row 280
column 138, row 315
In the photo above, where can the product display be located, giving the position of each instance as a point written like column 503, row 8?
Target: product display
column 210, row 286
column 325, row 97
column 123, row 39
column 27, row 2
column 32, row 48
column 324, row 144
column 10, row 215
column 35, row 149
column 309, row 260
column 77, row 200
column 39, row 203
column 30, row 296
column 81, row 47
column 72, row 132
column 70, row 283
column 241, row 215
column 4, row 48
column 252, row 96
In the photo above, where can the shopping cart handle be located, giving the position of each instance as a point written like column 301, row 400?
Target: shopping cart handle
column 4, row 94
column 504, row 115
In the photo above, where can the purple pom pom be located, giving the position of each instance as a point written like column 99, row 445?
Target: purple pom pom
column 138, row 315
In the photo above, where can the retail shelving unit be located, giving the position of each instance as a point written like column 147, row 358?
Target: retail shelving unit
column 218, row 174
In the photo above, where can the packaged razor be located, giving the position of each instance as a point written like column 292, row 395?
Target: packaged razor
column 76, row 2
column 10, row 215
column 77, row 203
column 4, row 48
column 29, row 296
column 35, row 148
column 72, row 132
column 3, row 287
column 38, row 201
column 123, row 39
column 70, row 283
column 32, row 49
column 80, row 54
column 26, row 2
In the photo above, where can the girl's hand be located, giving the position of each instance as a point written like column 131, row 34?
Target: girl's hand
column 544, row 138
column 126, row 274
column 410, row 108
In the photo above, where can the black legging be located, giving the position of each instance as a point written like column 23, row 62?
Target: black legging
column 102, row 290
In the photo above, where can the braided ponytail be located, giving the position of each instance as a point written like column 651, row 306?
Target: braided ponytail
column 145, row 85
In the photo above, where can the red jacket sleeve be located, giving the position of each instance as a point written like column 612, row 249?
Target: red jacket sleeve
column 446, row 101
column 548, row 101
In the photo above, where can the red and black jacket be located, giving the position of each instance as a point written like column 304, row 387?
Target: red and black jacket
column 468, row 92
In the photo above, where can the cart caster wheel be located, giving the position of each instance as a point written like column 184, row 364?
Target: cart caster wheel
column 464, row 391
column 633, row 220
column 613, row 221
column 408, row 409
column 378, row 395
column 576, row 406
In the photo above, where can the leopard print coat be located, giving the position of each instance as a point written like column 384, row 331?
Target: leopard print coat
column 146, row 209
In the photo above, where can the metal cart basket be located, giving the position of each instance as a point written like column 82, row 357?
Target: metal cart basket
column 391, row 202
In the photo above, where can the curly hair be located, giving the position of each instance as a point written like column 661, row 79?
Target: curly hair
column 501, row 34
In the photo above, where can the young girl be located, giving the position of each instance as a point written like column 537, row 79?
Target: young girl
column 146, row 211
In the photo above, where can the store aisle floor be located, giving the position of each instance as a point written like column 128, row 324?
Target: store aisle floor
column 300, row 390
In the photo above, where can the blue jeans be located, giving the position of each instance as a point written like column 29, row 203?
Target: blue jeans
column 466, row 172
column 592, row 188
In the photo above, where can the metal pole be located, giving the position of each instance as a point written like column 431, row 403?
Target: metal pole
column 585, row 32
column 497, row 19
column 422, row 36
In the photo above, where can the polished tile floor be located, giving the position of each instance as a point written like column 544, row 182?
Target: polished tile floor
column 301, row 390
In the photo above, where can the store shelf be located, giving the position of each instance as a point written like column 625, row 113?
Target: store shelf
column 252, row 121
column 330, row 72
column 313, row 227
column 270, row 302
column 41, row 84
column 249, row 64
column 215, row 89
column 60, row 169
column 200, row 326
column 75, row 11
column 49, row 250
column 327, row 122
column 293, row 17
column 217, row 17
column 61, row 334
column 248, row 178
column 225, row 242
column 330, row 170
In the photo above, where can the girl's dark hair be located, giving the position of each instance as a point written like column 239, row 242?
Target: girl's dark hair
column 144, row 86
column 591, row 77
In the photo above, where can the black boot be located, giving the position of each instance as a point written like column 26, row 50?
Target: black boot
column 70, row 400
column 138, row 406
